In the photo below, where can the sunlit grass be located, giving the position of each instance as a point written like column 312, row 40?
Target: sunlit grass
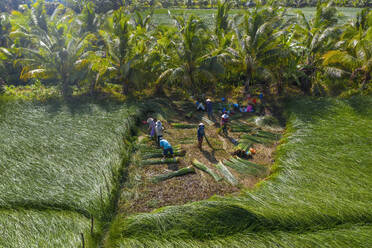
column 63, row 156
column 318, row 195
column 35, row 229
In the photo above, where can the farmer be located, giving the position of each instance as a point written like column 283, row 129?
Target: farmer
column 200, row 134
column 158, row 131
column 246, row 154
column 151, row 128
column 224, row 121
column 167, row 148
column 209, row 108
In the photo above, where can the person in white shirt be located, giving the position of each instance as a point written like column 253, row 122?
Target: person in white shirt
column 158, row 131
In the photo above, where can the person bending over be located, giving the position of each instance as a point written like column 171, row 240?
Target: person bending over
column 167, row 148
column 201, row 134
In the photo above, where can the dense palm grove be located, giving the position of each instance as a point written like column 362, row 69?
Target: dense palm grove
column 87, row 51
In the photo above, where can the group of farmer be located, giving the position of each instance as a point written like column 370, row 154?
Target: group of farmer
column 156, row 128
column 156, row 131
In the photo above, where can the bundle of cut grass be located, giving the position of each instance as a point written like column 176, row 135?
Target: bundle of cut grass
column 160, row 161
column 179, row 153
column 206, row 169
column 241, row 128
column 246, row 138
column 226, row 174
column 146, row 149
column 170, row 175
column 246, row 167
column 183, row 126
column 267, row 135
column 244, row 144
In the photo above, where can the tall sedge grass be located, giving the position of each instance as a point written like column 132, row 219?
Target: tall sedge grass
column 61, row 156
column 36, row 229
column 319, row 194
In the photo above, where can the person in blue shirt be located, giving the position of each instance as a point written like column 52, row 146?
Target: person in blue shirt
column 201, row 134
column 167, row 148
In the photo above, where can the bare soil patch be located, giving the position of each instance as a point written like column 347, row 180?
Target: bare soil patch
column 141, row 194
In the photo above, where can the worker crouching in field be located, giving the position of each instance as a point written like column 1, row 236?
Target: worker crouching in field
column 201, row 135
column 167, row 148
column 244, row 154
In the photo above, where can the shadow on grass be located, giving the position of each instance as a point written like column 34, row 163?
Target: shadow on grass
column 202, row 220
column 362, row 105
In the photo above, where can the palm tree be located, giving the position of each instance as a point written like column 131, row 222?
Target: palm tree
column 222, row 18
column 5, row 27
column 58, row 58
column 54, row 51
column 126, row 47
column 256, row 44
column 314, row 38
column 192, row 63
column 353, row 59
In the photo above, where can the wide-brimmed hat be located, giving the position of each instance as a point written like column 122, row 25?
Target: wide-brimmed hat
column 201, row 124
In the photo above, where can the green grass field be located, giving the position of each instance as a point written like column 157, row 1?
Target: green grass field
column 318, row 195
column 42, row 229
column 61, row 156
column 161, row 16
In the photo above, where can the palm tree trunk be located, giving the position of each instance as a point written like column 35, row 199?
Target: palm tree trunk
column 125, row 87
column 248, row 82
column 66, row 90
column 367, row 78
column 93, row 85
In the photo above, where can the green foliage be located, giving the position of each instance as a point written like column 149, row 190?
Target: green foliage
column 83, row 51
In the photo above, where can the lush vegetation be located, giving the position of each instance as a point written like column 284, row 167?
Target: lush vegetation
column 319, row 189
column 90, row 52
column 64, row 150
